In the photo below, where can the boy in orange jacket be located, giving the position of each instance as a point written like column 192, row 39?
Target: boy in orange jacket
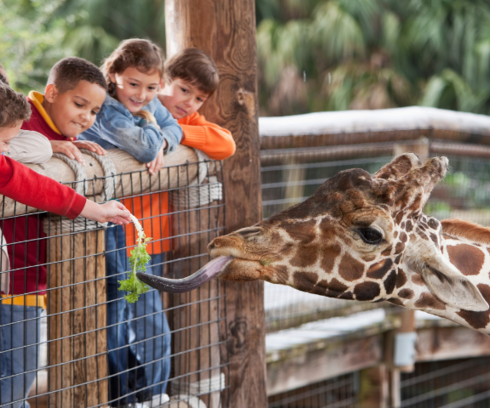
column 191, row 77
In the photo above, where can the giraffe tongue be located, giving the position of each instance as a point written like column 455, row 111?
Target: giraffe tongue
column 207, row 272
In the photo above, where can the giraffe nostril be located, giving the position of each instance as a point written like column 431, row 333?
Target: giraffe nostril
column 212, row 245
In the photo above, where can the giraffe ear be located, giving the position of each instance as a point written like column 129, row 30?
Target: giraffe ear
column 398, row 167
column 449, row 285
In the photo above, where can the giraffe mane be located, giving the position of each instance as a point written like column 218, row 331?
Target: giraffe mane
column 465, row 229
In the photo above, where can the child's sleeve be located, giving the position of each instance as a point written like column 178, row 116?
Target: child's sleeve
column 170, row 128
column 28, row 187
column 208, row 137
column 117, row 130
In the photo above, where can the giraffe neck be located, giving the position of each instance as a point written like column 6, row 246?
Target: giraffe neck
column 467, row 247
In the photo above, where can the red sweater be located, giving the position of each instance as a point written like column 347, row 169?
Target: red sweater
column 40, row 120
column 28, row 259
column 26, row 186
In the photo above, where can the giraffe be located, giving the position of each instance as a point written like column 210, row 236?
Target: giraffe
column 364, row 238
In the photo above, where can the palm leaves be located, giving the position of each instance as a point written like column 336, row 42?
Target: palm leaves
column 313, row 54
column 436, row 53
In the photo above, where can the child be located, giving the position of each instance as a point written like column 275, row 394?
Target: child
column 191, row 77
column 26, row 186
column 27, row 146
column 133, row 73
column 74, row 94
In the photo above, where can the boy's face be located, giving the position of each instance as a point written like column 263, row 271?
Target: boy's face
column 7, row 134
column 74, row 111
column 135, row 89
column 182, row 98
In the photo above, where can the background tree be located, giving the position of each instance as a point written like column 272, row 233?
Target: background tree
column 313, row 54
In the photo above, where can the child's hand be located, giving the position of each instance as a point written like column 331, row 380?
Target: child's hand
column 112, row 211
column 67, row 148
column 155, row 165
column 92, row 146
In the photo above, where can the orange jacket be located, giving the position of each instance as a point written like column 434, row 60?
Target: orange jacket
column 208, row 137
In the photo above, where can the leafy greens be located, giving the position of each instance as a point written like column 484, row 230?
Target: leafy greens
column 138, row 260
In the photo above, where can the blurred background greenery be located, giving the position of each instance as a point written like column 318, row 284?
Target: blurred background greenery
column 314, row 55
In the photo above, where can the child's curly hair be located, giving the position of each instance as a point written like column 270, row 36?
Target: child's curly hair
column 13, row 107
column 144, row 55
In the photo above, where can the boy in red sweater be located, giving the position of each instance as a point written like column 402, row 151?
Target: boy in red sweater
column 75, row 93
column 19, row 321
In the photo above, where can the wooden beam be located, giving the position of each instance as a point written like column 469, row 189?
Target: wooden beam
column 225, row 29
column 336, row 357
column 127, row 169
column 76, row 319
column 447, row 343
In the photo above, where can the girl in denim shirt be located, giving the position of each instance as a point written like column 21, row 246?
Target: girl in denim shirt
column 133, row 119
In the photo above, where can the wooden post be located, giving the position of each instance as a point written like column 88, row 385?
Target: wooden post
column 407, row 317
column 76, row 317
column 374, row 387
column 225, row 29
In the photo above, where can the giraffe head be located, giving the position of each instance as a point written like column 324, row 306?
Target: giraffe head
column 358, row 237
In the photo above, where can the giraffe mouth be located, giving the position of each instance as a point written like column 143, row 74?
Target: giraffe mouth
column 209, row 271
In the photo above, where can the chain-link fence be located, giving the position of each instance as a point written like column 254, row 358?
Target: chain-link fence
column 69, row 338
column 292, row 169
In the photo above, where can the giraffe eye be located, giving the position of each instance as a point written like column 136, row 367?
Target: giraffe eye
column 249, row 232
column 370, row 235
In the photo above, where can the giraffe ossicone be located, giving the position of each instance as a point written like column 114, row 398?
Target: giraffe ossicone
column 364, row 237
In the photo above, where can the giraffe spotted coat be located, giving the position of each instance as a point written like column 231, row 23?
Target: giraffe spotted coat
column 365, row 238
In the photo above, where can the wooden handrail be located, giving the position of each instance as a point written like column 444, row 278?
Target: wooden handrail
column 171, row 176
column 374, row 126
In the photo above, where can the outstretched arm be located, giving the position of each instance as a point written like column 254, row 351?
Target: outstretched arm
column 112, row 211
column 28, row 187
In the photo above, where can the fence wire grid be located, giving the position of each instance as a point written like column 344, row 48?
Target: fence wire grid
column 68, row 336
column 464, row 194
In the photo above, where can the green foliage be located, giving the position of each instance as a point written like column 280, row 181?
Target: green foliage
column 29, row 46
column 370, row 54
column 138, row 260
column 312, row 54
column 95, row 27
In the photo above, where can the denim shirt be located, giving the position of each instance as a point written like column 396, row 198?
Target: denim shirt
column 115, row 126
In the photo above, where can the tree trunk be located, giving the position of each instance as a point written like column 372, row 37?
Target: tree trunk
column 225, row 30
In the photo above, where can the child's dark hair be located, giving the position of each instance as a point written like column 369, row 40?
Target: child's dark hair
column 144, row 55
column 194, row 66
column 68, row 72
column 2, row 77
column 13, row 107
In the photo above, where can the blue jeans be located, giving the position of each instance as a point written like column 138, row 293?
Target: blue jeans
column 138, row 335
column 24, row 336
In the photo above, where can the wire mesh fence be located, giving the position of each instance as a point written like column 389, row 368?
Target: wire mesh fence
column 447, row 384
column 283, row 186
column 462, row 194
column 69, row 338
